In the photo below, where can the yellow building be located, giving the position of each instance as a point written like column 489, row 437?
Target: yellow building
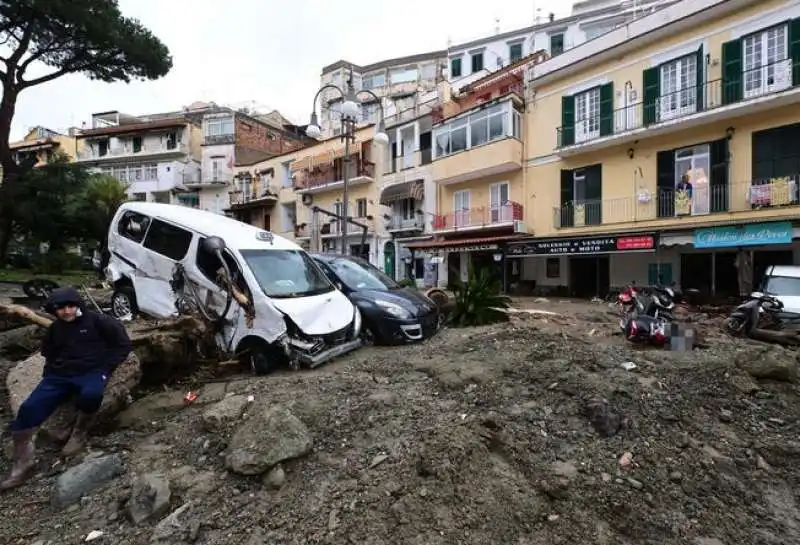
column 478, row 176
column 42, row 145
column 282, row 194
column 668, row 147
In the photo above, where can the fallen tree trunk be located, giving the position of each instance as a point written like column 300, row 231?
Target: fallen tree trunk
column 23, row 339
column 785, row 338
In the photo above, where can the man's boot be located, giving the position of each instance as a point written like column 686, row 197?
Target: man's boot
column 24, row 459
column 80, row 434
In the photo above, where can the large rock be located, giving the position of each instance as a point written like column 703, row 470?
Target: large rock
column 773, row 365
column 266, row 439
column 150, row 497
column 24, row 377
column 78, row 481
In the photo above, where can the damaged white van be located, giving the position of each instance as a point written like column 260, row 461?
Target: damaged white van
column 271, row 302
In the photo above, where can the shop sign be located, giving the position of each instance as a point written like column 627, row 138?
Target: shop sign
column 585, row 246
column 471, row 248
column 754, row 234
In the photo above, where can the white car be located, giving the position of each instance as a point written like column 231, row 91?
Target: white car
column 783, row 283
column 270, row 299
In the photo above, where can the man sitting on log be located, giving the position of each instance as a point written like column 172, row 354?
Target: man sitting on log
column 81, row 351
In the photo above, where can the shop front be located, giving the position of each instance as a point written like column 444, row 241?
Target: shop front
column 577, row 267
column 454, row 257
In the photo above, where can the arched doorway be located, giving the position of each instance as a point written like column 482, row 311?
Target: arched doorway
column 388, row 258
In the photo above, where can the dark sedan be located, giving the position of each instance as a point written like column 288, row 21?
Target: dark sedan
column 391, row 314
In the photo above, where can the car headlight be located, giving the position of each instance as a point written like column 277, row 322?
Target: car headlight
column 395, row 310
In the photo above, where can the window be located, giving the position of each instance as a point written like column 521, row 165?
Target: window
column 785, row 286
column 477, row 62
column 151, row 172
column 428, row 71
column 767, row 67
column 692, row 168
column 135, row 174
column 556, row 44
column 587, row 115
column 208, row 263
column 516, row 124
column 219, row 126
column 370, row 81
column 359, row 274
column 474, row 130
column 133, row 226
column 408, row 209
column 404, row 75
column 455, row 68
column 172, row 140
column 514, row 52
column 285, row 274
column 361, row 208
column 168, row 240
column 461, row 212
column 137, row 144
column 369, row 112
column 499, row 202
column 678, row 93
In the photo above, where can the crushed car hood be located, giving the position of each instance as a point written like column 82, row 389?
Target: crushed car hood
column 320, row 314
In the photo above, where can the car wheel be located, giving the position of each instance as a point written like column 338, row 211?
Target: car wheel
column 123, row 303
column 260, row 363
column 39, row 288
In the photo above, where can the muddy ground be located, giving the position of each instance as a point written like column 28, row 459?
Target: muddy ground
column 528, row 433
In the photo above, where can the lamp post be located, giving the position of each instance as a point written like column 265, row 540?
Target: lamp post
column 350, row 110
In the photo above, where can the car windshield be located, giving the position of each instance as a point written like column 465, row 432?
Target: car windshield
column 283, row 274
column 783, row 285
column 358, row 274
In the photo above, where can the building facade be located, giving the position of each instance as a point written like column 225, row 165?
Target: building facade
column 41, row 145
column 666, row 151
column 154, row 155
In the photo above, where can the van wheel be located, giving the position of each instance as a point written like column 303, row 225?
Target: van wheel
column 123, row 303
column 258, row 357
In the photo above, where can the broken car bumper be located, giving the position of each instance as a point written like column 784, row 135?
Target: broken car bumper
column 326, row 355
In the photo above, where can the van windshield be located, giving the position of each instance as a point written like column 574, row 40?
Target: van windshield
column 783, row 285
column 284, row 274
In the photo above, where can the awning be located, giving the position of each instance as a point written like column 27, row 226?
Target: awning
column 328, row 156
column 477, row 243
column 409, row 190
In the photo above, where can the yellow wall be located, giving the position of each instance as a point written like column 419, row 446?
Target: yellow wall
column 479, row 191
column 621, row 209
column 196, row 137
column 507, row 150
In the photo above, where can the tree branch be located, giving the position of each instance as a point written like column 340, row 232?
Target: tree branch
column 22, row 47
column 42, row 51
column 24, row 84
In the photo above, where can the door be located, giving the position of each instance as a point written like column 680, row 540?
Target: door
column 389, row 259
column 461, row 211
column 266, row 222
column 499, row 202
column 164, row 245
column 407, row 136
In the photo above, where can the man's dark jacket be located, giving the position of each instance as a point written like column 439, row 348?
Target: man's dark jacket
column 92, row 342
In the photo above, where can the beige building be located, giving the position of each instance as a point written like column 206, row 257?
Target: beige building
column 281, row 193
column 41, row 145
column 667, row 149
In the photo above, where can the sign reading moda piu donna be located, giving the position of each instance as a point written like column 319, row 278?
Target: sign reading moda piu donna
column 753, row 234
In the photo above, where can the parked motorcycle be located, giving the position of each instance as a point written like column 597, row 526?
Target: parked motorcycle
column 647, row 315
column 762, row 311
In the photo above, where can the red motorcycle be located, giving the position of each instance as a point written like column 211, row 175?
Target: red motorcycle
column 626, row 300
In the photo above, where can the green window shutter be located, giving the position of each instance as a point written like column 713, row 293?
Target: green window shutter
column 651, row 89
column 455, row 68
column 566, row 216
column 701, row 64
column 567, row 121
column 732, row 71
column 794, row 49
column 606, row 109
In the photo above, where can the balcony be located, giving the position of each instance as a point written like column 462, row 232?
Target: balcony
column 331, row 228
column 757, row 199
column 760, row 89
column 399, row 223
column 212, row 179
column 239, row 198
column 219, row 139
column 129, row 151
column 489, row 159
column 403, row 169
column 324, row 177
column 479, row 218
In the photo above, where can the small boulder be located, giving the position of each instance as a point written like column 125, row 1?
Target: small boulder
column 224, row 412
column 78, row 481
column 150, row 496
column 275, row 478
column 769, row 366
column 266, row 439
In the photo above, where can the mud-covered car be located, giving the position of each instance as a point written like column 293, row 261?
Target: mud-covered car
column 271, row 301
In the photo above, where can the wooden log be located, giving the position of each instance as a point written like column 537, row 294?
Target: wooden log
column 18, row 311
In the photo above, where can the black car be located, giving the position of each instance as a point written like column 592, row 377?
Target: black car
column 391, row 314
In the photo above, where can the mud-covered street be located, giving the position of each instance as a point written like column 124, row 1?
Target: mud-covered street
column 536, row 432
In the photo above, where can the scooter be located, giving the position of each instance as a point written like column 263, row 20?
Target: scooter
column 762, row 311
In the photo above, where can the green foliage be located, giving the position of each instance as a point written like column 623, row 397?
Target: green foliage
column 91, row 37
column 97, row 205
column 56, row 261
column 479, row 300
column 407, row 283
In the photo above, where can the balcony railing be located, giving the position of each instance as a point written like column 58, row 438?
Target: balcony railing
column 239, row 197
column 124, row 151
column 759, row 82
column 398, row 223
column 323, row 175
column 484, row 216
column 218, row 139
column 408, row 161
column 217, row 178
column 672, row 203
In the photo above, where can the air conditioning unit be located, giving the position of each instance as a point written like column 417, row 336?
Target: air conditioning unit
column 520, row 227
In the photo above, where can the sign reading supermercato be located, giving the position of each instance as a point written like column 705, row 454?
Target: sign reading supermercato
column 585, row 246
column 754, row 234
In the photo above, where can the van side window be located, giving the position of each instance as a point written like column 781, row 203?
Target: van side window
column 133, row 226
column 209, row 264
column 168, row 240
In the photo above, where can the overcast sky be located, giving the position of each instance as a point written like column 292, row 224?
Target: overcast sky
column 268, row 51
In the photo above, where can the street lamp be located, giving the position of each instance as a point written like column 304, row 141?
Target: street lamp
column 351, row 107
